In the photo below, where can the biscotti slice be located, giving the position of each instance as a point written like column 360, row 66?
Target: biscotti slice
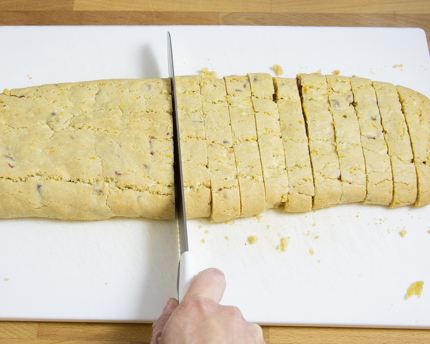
column 247, row 155
column 379, row 179
column 322, row 145
column 296, row 146
column 348, row 142
column 398, row 143
column 73, row 137
column 193, row 147
column 426, row 110
column 269, row 139
column 221, row 159
column 418, row 121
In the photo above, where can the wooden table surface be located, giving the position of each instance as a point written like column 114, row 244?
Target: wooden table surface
column 385, row 13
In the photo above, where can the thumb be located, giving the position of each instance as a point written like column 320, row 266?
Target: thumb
column 157, row 327
column 209, row 283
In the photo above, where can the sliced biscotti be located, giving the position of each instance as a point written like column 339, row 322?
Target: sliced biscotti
column 348, row 142
column 74, row 151
column 221, row 159
column 193, row 147
column 426, row 110
column 418, row 122
column 379, row 179
column 322, row 145
column 398, row 143
column 296, row 146
column 247, row 155
column 269, row 139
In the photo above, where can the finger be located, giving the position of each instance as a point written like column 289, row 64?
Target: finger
column 157, row 327
column 258, row 332
column 209, row 283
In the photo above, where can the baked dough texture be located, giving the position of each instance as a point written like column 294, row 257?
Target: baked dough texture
column 296, row 147
column 99, row 149
column 87, row 151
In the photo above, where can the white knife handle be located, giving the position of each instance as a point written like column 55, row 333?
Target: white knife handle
column 187, row 272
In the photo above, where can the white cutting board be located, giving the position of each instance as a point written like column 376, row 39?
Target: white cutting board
column 123, row 269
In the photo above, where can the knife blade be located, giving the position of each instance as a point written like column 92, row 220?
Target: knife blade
column 186, row 271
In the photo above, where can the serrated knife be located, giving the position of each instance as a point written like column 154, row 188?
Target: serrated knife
column 186, row 270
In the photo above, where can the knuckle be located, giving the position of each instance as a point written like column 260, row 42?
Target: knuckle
column 234, row 313
column 198, row 304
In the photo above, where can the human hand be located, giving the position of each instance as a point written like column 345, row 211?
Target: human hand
column 201, row 319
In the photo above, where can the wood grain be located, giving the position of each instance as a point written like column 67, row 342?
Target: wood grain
column 174, row 5
column 305, row 335
column 18, row 330
column 350, row 6
column 381, row 13
column 39, row 5
column 107, row 18
column 94, row 332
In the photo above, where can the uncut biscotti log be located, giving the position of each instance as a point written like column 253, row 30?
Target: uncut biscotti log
column 221, row 160
column 348, row 142
column 296, row 146
column 398, row 143
column 87, row 151
column 379, row 179
column 247, row 155
column 417, row 117
column 269, row 139
column 322, row 145
column 193, row 147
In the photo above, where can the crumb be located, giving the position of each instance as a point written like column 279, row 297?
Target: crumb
column 268, row 226
column 311, row 251
column 314, row 225
column 428, row 231
column 203, row 241
column 6, row 92
column 403, row 233
column 319, row 261
column 319, row 71
column 6, row 279
column 207, row 74
column 200, row 227
column 396, row 66
column 227, row 238
column 278, row 69
column 372, row 73
column 336, row 72
column 316, row 236
column 252, row 239
column 284, row 244
column 258, row 217
column 416, row 288
column 106, row 283
column 206, row 231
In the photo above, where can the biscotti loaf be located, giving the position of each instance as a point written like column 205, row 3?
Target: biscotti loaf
column 87, row 151
column 99, row 149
